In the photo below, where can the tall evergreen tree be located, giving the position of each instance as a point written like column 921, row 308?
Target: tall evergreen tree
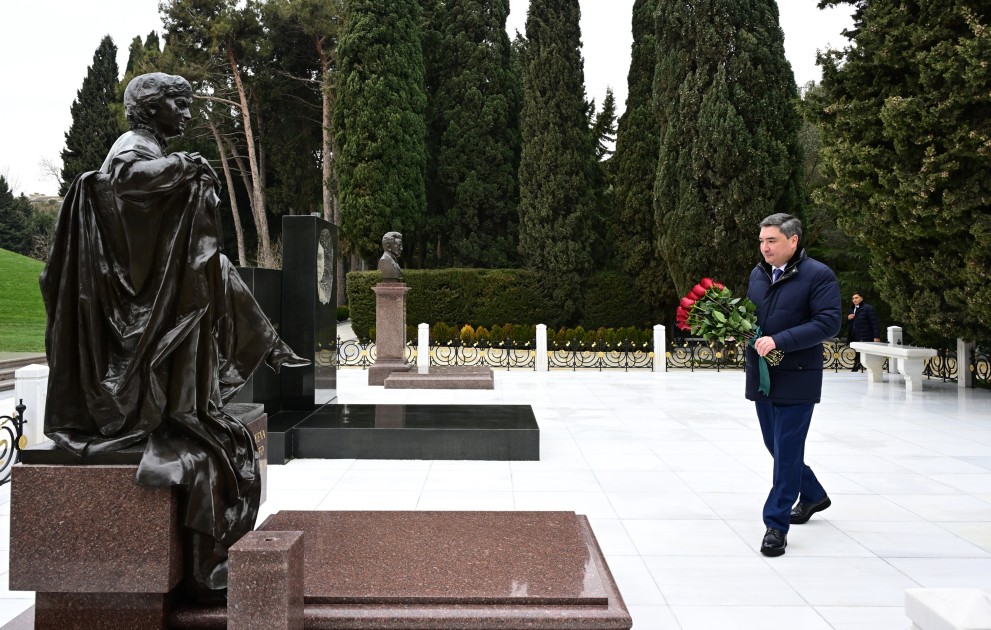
column 558, row 154
column 729, row 153
column 476, row 167
column 431, row 246
column 634, row 230
column 906, row 133
column 16, row 220
column 380, row 122
column 602, row 126
column 96, row 120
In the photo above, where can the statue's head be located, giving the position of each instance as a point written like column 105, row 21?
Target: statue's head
column 159, row 102
column 392, row 242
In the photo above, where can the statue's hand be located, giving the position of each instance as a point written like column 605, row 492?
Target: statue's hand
column 205, row 169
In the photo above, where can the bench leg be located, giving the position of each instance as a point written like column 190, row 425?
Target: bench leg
column 912, row 369
column 873, row 363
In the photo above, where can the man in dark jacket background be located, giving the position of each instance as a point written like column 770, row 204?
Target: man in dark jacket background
column 863, row 325
column 798, row 307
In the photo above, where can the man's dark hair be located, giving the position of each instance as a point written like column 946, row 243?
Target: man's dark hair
column 857, row 293
column 788, row 224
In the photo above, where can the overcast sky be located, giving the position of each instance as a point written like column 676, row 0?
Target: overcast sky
column 46, row 46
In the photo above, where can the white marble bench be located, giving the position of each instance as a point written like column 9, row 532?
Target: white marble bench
column 911, row 361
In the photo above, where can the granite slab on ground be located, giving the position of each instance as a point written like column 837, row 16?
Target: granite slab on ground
column 443, row 377
column 447, row 570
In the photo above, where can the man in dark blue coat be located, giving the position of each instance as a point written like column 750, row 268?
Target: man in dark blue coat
column 798, row 307
column 864, row 325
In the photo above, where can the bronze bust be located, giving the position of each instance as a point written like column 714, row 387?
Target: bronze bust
column 392, row 245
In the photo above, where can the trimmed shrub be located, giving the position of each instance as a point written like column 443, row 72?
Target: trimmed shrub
column 612, row 300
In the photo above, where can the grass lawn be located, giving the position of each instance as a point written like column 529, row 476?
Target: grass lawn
column 22, row 313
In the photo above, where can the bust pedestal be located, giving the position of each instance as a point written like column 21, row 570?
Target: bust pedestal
column 390, row 331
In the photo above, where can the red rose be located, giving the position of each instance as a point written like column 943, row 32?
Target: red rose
column 719, row 285
column 697, row 291
column 687, row 303
column 707, row 283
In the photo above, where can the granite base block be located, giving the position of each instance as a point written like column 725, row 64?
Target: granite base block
column 266, row 582
column 443, row 377
column 63, row 541
column 101, row 611
column 383, row 369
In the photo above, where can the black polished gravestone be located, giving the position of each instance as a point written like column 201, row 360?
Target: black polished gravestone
column 264, row 385
column 309, row 310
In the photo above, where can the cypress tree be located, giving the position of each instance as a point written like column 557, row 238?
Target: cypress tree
column 904, row 111
column 475, row 112
column 380, row 122
column 96, row 123
column 637, row 147
column 729, row 153
column 16, row 221
column 431, row 243
column 557, row 157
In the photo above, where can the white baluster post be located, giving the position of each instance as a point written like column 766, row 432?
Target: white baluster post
column 542, row 348
column 660, row 349
column 965, row 378
column 423, row 347
column 31, row 386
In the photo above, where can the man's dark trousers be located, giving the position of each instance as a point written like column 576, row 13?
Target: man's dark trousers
column 784, row 428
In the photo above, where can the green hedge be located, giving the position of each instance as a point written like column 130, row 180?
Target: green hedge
column 490, row 297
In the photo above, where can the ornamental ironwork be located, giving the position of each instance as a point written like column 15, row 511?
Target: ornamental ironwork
column 687, row 353
column 625, row 355
column 12, row 440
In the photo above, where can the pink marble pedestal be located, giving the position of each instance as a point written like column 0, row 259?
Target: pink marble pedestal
column 390, row 331
column 453, row 570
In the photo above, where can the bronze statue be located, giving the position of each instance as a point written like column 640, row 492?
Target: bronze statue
column 151, row 330
column 392, row 244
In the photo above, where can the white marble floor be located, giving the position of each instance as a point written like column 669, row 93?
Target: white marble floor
column 671, row 471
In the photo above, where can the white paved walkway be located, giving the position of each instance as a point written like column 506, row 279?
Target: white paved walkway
column 671, row 471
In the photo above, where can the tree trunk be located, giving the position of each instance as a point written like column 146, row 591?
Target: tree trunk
column 229, row 178
column 331, row 211
column 265, row 258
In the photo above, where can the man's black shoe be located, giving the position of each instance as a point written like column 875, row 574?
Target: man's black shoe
column 774, row 542
column 802, row 512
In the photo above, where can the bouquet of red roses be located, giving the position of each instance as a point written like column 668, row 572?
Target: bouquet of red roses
column 710, row 311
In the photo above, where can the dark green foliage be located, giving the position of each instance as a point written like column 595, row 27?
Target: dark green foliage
column 558, row 155
column 729, row 153
column 456, row 296
column 16, row 221
column 379, row 123
column 603, row 131
column 612, row 300
column 634, row 230
column 475, row 124
column 906, row 137
column 96, row 116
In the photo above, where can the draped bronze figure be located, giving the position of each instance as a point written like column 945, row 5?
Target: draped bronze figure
column 151, row 330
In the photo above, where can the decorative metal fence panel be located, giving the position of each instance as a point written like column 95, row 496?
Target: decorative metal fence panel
column 11, row 441
column 624, row 355
column 689, row 353
column 504, row 355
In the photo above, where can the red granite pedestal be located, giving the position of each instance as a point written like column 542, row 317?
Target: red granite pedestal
column 101, row 551
column 390, row 331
